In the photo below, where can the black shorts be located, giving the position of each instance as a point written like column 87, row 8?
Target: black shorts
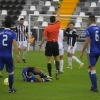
column 52, row 49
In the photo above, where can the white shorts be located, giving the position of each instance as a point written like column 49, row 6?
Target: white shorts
column 71, row 50
column 22, row 44
column 61, row 52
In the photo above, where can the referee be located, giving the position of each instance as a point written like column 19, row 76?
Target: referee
column 51, row 33
column 22, row 37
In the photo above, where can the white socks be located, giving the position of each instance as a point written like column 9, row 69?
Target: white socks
column 76, row 59
column 70, row 61
column 61, row 65
column 24, row 54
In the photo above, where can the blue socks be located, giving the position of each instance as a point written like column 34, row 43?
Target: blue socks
column 90, row 76
column 11, row 80
column 42, row 75
column 94, row 79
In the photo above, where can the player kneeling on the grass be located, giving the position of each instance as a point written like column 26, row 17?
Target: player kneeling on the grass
column 29, row 75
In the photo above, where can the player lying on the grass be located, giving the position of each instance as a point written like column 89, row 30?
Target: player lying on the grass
column 29, row 75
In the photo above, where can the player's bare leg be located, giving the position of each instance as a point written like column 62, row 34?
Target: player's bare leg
column 57, row 66
column 18, row 60
column 39, row 72
column 24, row 54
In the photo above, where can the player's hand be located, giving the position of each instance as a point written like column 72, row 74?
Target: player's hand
column 71, row 47
column 81, row 55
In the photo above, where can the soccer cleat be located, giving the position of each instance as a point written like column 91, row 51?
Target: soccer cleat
column 60, row 72
column 12, row 91
column 50, row 77
column 57, row 75
column 81, row 65
column 69, row 67
column 23, row 60
column 93, row 90
column 48, row 80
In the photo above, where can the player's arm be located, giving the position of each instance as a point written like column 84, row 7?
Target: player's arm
column 43, row 38
column 74, row 34
column 58, row 15
column 73, row 41
column 86, row 44
column 87, row 40
column 27, row 33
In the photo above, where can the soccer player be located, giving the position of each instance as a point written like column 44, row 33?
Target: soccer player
column 29, row 75
column 92, row 39
column 7, row 38
column 51, row 33
column 22, row 37
column 61, row 50
column 72, row 44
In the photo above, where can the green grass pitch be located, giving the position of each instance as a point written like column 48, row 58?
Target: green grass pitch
column 74, row 84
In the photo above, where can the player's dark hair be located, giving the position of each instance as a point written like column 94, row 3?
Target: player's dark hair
column 21, row 18
column 29, row 70
column 52, row 19
column 92, row 18
column 72, row 23
column 8, row 23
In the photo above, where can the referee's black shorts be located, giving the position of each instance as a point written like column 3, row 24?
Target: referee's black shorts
column 52, row 49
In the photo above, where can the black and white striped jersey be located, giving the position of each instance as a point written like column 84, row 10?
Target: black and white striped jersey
column 21, row 32
column 71, row 36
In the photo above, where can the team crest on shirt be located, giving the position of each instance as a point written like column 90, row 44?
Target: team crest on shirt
column 87, row 32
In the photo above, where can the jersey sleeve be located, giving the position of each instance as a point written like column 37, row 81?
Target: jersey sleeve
column 58, row 24
column 14, row 36
column 87, row 33
column 16, row 29
column 26, row 29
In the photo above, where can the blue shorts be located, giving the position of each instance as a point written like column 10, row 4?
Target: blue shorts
column 8, row 61
column 27, row 78
column 93, row 58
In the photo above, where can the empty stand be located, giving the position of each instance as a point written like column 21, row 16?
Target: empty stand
column 69, row 5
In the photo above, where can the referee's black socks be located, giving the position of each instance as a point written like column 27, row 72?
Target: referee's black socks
column 49, row 67
column 57, row 65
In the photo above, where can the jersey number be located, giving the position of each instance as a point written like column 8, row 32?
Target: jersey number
column 5, row 38
column 96, row 35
